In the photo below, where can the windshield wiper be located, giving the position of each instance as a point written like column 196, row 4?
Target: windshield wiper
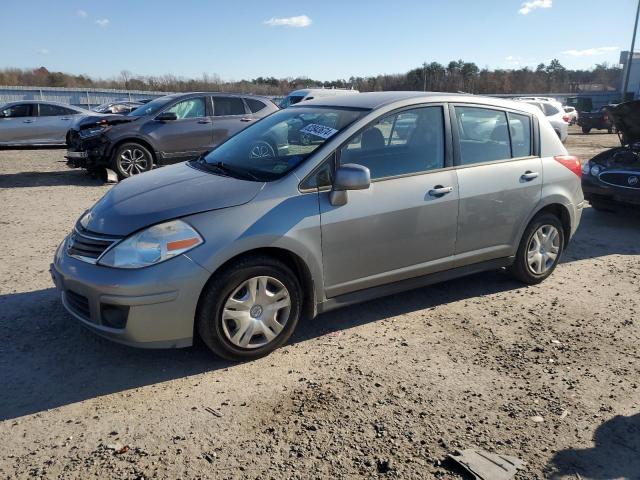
column 232, row 171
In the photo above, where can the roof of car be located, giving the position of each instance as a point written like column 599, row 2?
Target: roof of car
column 373, row 100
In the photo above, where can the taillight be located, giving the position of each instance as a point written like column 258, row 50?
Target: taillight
column 571, row 162
column 566, row 118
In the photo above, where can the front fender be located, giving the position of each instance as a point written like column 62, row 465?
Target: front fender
column 291, row 224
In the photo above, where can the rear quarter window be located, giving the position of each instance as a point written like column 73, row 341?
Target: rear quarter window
column 255, row 105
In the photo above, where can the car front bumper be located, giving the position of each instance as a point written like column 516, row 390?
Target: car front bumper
column 593, row 189
column 155, row 306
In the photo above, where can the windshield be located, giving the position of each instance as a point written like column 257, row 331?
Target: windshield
column 290, row 100
column 272, row 147
column 150, row 108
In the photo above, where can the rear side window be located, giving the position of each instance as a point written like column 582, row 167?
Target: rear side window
column 47, row 110
column 484, row 135
column 191, row 108
column 549, row 109
column 17, row 111
column 255, row 105
column 520, row 128
column 223, row 106
column 411, row 141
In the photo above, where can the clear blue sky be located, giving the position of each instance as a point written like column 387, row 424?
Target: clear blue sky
column 235, row 39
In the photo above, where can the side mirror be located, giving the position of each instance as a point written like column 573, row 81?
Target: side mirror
column 348, row 177
column 167, row 117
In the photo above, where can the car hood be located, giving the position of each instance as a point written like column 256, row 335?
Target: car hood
column 165, row 194
column 104, row 119
column 626, row 118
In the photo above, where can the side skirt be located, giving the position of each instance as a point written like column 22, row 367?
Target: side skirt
column 411, row 284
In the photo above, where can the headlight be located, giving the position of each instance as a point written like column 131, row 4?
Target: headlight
column 94, row 131
column 585, row 168
column 85, row 219
column 595, row 170
column 152, row 245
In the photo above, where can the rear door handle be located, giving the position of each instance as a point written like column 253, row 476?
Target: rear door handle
column 529, row 175
column 27, row 121
column 204, row 121
column 65, row 118
column 245, row 119
column 439, row 191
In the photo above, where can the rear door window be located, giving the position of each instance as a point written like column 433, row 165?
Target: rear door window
column 47, row 110
column 225, row 106
column 483, row 135
column 17, row 111
column 520, row 128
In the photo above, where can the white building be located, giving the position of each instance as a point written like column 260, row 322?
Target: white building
column 634, row 75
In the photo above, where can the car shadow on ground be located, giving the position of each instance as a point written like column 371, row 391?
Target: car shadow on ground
column 616, row 453
column 48, row 360
column 49, row 179
column 605, row 233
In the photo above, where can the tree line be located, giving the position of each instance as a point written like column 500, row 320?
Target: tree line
column 456, row 76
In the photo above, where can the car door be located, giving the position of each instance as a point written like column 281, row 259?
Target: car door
column 17, row 123
column 404, row 225
column 53, row 123
column 186, row 137
column 499, row 178
column 229, row 117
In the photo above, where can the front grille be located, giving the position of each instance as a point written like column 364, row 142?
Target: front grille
column 78, row 303
column 88, row 246
column 621, row 178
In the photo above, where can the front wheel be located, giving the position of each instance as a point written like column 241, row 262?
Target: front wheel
column 131, row 159
column 540, row 248
column 249, row 309
column 585, row 130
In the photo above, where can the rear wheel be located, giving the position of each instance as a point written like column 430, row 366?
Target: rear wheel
column 585, row 130
column 540, row 249
column 249, row 309
column 131, row 159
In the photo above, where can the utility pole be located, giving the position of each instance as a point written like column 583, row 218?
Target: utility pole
column 625, row 85
column 424, row 71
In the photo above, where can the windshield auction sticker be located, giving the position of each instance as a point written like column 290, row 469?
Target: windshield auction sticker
column 318, row 130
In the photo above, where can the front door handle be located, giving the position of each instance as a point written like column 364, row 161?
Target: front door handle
column 27, row 121
column 204, row 121
column 65, row 118
column 529, row 175
column 245, row 119
column 439, row 191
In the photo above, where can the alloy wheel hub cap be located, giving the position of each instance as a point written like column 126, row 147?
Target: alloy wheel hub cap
column 543, row 249
column 256, row 312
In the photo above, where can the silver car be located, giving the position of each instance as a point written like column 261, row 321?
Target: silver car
column 239, row 245
column 32, row 122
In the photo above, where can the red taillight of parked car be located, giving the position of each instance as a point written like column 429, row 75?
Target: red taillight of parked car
column 566, row 118
column 571, row 162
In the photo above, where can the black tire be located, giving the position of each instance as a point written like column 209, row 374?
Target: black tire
column 586, row 129
column 610, row 130
column 602, row 206
column 141, row 160
column 209, row 318
column 520, row 268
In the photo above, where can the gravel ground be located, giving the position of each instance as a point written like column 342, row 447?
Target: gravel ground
column 548, row 373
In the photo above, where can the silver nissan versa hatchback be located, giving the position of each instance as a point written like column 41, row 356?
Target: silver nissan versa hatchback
column 389, row 191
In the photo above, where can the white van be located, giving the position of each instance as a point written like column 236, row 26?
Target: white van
column 310, row 93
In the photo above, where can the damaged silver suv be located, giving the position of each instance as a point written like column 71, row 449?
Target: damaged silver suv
column 368, row 195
